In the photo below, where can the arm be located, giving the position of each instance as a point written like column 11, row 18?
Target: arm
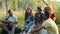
column 32, row 19
column 16, row 20
column 54, row 18
column 37, row 28
column 26, row 19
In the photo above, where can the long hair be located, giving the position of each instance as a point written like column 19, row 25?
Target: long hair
column 49, row 9
column 31, row 12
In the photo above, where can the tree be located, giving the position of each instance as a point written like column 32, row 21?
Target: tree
column 6, row 5
column 0, row 4
column 13, row 4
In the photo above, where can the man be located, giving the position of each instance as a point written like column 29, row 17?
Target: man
column 13, row 21
column 38, row 16
column 11, row 17
column 49, row 24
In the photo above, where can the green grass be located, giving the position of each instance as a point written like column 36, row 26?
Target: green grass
column 58, row 18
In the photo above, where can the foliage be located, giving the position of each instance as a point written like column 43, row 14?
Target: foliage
column 22, row 4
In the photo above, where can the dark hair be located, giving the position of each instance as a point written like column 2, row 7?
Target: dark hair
column 26, row 14
column 46, row 13
column 39, row 8
column 9, row 11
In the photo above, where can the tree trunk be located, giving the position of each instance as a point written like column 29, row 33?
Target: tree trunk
column 45, row 2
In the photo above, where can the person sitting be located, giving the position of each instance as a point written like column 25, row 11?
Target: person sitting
column 49, row 24
column 13, row 20
column 29, row 19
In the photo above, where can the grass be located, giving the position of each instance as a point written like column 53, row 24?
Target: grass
column 20, row 16
column 58, row 18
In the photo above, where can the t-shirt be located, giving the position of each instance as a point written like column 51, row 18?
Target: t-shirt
column 52, row 16
column 51, row 27
column 11, row 18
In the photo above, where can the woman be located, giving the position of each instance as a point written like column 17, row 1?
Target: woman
column 52, row 14
column 28, row 19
